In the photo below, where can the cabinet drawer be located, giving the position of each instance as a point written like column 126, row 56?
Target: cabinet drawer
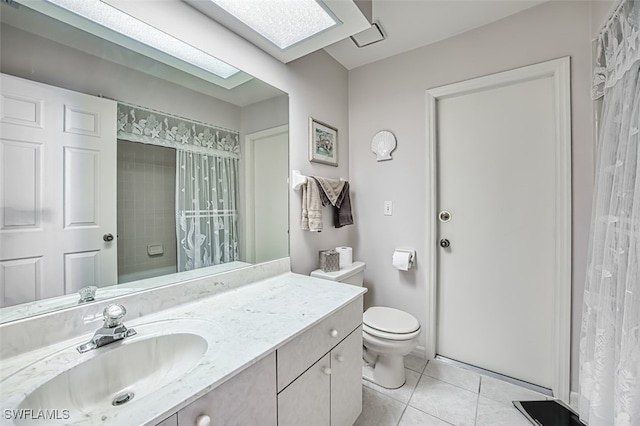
column 296, row 356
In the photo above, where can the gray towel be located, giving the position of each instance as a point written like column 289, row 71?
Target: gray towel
column 342, row 213
column 342, row 203
column 332, row 188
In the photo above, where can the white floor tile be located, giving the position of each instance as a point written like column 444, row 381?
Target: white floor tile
column 415, row 363
column 444, row 395
column 445, row 401
column 401, row 394
column 379, row 409
column 415, row 417
column 454, row 375
column 493, row 413
column 505, row 393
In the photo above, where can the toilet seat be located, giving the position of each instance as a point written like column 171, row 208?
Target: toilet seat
column 390, row 336
column 390, row 323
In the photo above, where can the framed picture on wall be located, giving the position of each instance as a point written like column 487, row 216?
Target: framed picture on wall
column 323, row 143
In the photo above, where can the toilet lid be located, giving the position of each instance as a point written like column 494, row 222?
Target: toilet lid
column 390, row 320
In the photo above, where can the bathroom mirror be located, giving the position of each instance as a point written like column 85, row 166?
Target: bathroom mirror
column 179, row 130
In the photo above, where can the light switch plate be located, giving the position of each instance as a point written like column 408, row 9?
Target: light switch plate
column 388, row 208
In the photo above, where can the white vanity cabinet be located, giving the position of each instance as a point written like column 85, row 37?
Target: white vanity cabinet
column 346, row 380
column 320, row 372
column 244, row 400
column 318, row 382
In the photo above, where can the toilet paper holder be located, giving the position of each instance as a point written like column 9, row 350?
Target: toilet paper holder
column 412, row 255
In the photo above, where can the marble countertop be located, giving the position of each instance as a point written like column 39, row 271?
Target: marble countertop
column 12, row 313
column 251, row 322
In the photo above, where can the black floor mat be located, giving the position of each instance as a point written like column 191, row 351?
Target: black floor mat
column 548, row 413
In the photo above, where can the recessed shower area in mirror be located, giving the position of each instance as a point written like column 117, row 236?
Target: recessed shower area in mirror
column 146, row 211
column 178, row 194
column 188, row 177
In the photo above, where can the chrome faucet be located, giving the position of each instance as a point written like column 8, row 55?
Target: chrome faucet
column 112, row 330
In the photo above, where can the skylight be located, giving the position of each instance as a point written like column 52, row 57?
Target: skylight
column 283, row 22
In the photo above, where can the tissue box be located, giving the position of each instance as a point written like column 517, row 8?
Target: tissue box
column 329, row 260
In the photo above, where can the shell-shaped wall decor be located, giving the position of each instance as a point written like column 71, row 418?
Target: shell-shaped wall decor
column 382, row 144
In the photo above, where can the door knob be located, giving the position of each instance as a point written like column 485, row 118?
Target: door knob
column 444, row 243
column 444, row 216
column 107, row 237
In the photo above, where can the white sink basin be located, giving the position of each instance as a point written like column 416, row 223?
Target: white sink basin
column 107, row 380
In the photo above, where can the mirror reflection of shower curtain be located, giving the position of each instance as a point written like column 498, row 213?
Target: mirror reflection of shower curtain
column 207, row 197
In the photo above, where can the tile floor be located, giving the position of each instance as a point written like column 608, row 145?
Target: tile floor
column 439, row 394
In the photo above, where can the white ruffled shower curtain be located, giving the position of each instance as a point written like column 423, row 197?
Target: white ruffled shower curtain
column 207, row 209
column 610, row 335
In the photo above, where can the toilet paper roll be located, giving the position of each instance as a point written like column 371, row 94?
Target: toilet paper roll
column 402, row 260
column 346, row 256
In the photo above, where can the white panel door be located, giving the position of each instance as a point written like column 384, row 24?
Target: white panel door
column 57, row 191
column 496, row 158
column 268, row 195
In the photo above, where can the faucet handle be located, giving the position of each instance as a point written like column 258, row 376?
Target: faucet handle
column 113, row 315
column 87, row 294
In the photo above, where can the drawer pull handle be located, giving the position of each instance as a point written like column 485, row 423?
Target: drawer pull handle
column 203, row 420
column 333, row 333
column 327, row 371
column 340, row 358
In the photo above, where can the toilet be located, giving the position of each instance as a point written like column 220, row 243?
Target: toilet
column 388, row 334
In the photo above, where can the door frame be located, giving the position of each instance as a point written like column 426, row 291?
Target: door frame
column 559, row 71
column 249, row 213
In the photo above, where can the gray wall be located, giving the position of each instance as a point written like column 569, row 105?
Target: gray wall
column 390, row 94
column 146, row 210
column 264, row 115
column 35, row 58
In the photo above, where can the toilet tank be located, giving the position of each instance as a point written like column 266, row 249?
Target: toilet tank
column 352, row 274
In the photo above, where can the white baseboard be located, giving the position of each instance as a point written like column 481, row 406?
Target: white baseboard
column 419, row 352
column 574, row 401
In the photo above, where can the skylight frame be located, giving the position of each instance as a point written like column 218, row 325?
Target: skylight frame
column 351, row 21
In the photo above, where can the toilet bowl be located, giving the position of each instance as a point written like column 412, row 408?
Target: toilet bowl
column 388, row 334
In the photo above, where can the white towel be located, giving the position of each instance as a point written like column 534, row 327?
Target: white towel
column 311, row 207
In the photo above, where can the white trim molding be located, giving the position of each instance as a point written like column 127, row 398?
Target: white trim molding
column 559, row 71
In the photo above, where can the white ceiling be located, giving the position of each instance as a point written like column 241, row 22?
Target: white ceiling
column 409, row 24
